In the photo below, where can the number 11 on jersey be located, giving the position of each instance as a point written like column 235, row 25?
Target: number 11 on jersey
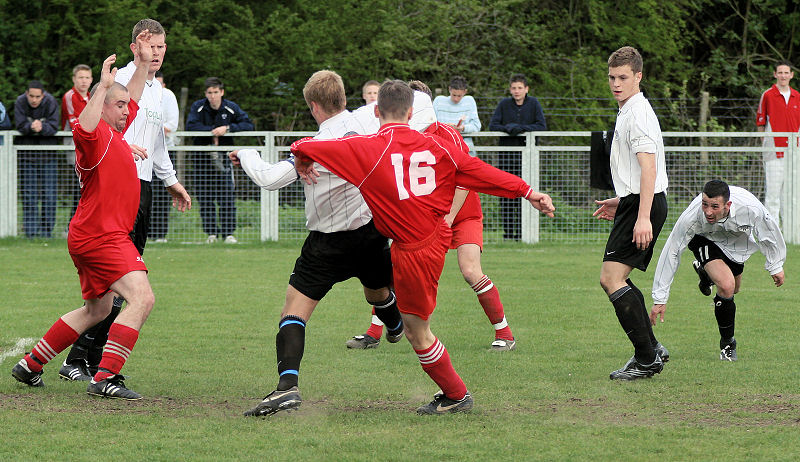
column 422, row 178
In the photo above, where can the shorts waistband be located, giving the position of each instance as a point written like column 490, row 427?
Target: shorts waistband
column 411, row 246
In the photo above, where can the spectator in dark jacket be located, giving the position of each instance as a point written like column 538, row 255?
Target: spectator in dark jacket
column 36, row 118
column 212, row 175
column 515, row 115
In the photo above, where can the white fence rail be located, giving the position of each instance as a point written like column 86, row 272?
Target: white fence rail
column 553, row 162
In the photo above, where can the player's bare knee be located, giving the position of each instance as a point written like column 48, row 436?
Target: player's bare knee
column 471, row 274
column 726, row 288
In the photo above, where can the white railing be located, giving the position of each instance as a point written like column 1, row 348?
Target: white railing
column 553, row 162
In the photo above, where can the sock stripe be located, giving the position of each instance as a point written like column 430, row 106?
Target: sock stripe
column 387, row 303
column 376, row 321
column 292, row 321
column 484, row 285
column 289, row 371
column 45, row 350
column 434, row 353
column 501, row 325
column 117, row 349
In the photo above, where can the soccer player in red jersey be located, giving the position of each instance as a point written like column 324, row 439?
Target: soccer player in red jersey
column 408, row 179
column 98, row 240
column 466, row 220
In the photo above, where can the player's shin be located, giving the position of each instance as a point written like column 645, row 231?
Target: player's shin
column 289, row 345
column 634, row 322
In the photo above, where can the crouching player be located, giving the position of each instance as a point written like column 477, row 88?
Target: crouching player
column 98, row 241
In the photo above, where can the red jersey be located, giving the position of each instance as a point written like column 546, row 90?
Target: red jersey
column 72, row 104
column 782, row 116
column 471, row 209
column 109, row 183
column 407, row 178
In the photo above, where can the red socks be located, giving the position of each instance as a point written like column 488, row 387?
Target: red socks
column 489, row 298
column 436, row 363
column 121, row 340
column 376, row 328
column 55, row 340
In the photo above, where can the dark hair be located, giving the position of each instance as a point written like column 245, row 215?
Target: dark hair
column 717, row 188
column 626, row 55
column 35, row 84
column 395, row 99
column 153, row 26
column 418, row 85
column 783, row 63
column 213, row 82
column 458, row 83
column 518, row 78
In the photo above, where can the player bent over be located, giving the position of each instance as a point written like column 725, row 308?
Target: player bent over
column 466, row 221
column 98, row 240
column 723, row 227
column 638, row 169
column 408, row 180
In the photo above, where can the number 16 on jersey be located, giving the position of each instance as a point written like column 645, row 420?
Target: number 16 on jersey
column 422, row 178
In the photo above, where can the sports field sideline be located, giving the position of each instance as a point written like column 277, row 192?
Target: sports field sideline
column 207, row 353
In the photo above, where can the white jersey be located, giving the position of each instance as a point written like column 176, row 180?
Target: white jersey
column 637, row 130
column 147, row 131
column 169, row 105
column 748, row 227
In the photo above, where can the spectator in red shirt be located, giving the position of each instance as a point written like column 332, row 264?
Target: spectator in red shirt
column 778, row 111
column 72, row 104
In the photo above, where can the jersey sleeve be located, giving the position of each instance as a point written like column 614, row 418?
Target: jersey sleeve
column 770, row 241
column 638, row 137
column 268, row 176
column 348, row 158
column 761, row 112
column 86, row 155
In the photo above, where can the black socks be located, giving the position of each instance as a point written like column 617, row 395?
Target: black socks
column 387, row 312
column 634, row 322
column 725, row 312
column 289, row 345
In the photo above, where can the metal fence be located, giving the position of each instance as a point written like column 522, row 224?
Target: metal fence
column 552, row 162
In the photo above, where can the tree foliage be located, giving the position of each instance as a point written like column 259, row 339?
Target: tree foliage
column 264, row 51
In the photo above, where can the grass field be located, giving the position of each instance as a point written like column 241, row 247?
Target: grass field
column 207, row 353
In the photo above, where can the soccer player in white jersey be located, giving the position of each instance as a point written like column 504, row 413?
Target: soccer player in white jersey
column 638, row 169
column 342, row 241
column 723, row 227
column 146, row 137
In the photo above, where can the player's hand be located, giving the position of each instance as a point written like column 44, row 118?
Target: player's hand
column 180, row 198
column 778, row 278
column 642, row 233
column 542, row 202
column 607, row 210
column 139, row 152
column 234, row 157
column 219, row 131
column 305, row 168
column 107, row 74
column 143, row 50
column 656, row 312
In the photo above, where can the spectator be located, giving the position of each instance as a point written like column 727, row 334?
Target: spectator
column 370, row 91
column 213, row 175
column 778, row 111
column 5, row 122
column 72, row 103
column 159, row 225
column 515, row 115
column 36, row 117
column 458, row 110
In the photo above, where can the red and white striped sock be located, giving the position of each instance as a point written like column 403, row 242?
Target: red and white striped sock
column 436, row 363
column 376, row 327
column 121, row 340
column 489, row 298
column 55, row 340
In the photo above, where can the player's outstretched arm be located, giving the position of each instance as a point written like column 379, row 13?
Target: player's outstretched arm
column 271, row 177
column 607, row 209
column 657, row 311
column 143, row 56
column 91, row 114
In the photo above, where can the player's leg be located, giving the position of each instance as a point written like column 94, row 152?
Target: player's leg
column 49, row 195
column 227, row 204
column 289, row 347
column 135, row 288
column 371, row 338
column 724, row 305
column 661, row 350
column 384, row 304
column 60, row 335
column 469, row 262
column 201, row 169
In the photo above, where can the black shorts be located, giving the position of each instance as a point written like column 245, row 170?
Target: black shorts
column 328, row 258
column 141, row 227
column 705, row 250
column 620, row 246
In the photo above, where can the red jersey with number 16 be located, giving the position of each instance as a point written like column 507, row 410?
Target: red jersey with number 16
column 407, row 178
column 109, row 184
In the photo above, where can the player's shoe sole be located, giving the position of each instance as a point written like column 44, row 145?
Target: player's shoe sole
column 365, row 342
column 278, row 400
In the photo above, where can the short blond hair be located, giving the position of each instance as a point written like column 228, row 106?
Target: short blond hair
column 153, row 26
column 626, row 55
column 326, row 88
